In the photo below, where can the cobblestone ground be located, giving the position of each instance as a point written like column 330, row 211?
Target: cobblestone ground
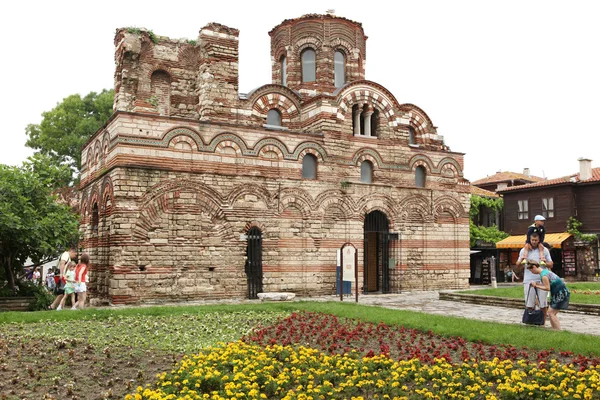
column 429, row 302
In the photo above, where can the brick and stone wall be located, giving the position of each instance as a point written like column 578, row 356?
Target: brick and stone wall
column 186, row 166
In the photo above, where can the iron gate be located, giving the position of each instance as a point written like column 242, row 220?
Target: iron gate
column 381, row 255
column 254, row 262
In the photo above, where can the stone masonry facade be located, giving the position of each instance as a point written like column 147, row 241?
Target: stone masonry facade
column 187, row 165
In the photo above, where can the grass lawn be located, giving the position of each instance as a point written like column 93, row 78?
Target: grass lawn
column 107, row 353
column 578, row 292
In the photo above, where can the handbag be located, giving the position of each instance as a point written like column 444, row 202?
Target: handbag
column 535, row 316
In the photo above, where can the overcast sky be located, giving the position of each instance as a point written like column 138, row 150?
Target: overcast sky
column 512, row 84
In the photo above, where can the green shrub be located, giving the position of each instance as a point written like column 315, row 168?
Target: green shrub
column 43, row 298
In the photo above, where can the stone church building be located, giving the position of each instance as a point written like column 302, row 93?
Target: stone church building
column 193, row 190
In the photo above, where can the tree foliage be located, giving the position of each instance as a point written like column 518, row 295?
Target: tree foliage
column 489, row 234
column 478, row 202
column 32, row 223
column 573, row 225
column 65, row 129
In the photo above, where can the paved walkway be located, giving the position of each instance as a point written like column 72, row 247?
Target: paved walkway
column 429, row 302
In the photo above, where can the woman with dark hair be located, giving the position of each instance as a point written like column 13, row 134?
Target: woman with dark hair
column 81, row 280
column 559, row 294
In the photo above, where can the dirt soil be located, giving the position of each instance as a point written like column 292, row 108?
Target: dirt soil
column 73, row 369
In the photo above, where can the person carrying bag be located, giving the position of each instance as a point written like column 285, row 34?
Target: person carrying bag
column 533, row 316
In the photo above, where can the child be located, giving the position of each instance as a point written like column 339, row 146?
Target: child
column 81, row 277
column 559, row 294
column 536, row 227
column 69, row 286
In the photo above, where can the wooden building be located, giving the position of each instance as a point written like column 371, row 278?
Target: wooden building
column 557, row 200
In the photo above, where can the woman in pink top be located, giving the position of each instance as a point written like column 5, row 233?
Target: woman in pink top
column 81, row 279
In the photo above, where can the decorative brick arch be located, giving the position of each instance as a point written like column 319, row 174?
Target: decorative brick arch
column 289, row 110
column 94, row 199
column 313, row 148
column 281, row 52
column 449, row 205
column 367, row 154
column 367, row 92
column 298, row 198
column 271, row 144
column 421, row 160
column 105, row 143
column 342, row 45
column 335, row 198
column 270, row 148
column 232, row 139
column 254, row 224
column 108, row 199
column 417, row 119
column 451, row 165
column 415, row 207
column 306, row 42
column 229, row 143
column 380, row 202
column 285, row 92
column 156, row 202
column 182, row 134
column 97, row 152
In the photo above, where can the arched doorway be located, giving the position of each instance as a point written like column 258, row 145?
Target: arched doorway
column 377, row 252
column 254, row 262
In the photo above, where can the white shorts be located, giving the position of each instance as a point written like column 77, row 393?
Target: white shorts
column 80, row 287
column 542, row 294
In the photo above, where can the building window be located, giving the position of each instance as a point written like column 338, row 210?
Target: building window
column 309, row 167
column 283, row 71
column 420, row 174
column 95, row 219
column 523, row 209
column 273, row 117
column 412, row 136
column 366, row 172
column 374, row 122
column 340, row 69
column 365, row 120
column 309, row 70
column 548, row 207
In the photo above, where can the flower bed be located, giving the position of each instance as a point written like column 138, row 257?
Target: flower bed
column 319, row 356
column 249, row 371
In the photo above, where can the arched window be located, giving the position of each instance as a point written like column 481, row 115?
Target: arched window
column 339, row 68
column 284, row 71
column 420, row 174
column 95, row 218
column 366, row 172
column 309, row 70
column 412, row 136
column 274, row 117
column 374, row 122
column 309, row 167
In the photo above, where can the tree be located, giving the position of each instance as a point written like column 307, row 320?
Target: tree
column 32, row 223
column 488, row 234
column 65, row 129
